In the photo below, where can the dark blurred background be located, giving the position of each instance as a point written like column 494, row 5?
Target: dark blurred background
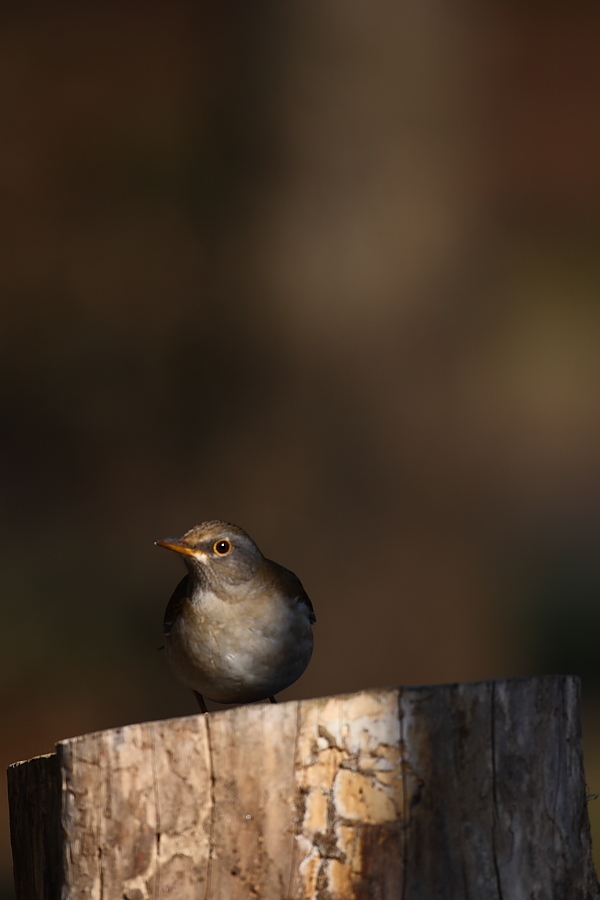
column 329, row 270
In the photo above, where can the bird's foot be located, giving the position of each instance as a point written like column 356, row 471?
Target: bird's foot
column 201, row 702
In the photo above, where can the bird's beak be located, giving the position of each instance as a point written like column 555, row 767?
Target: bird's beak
column 177, row 545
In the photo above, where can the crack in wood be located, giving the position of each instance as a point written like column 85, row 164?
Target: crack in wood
column 156, row 880
column 211, row 777
column 298, row 808
column 494, row 788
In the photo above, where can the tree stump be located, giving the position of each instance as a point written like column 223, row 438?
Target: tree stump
column 456, row 791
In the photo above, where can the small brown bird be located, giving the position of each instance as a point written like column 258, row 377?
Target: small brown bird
column 238, row 627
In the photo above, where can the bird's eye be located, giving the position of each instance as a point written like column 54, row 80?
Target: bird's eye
column 222, row 548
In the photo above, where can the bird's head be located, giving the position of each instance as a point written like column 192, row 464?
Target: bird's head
column 217, row 551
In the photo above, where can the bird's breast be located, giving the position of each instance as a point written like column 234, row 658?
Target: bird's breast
column 238, row 651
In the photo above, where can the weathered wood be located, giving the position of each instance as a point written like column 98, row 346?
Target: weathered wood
column 457, row 791
column 34, row 793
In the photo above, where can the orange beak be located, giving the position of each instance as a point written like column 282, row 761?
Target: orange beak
column 177, row 545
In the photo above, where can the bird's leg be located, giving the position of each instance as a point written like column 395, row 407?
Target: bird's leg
column 201, row 702
column 272, row 699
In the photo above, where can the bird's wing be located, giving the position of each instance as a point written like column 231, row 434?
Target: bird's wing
column 292, row 586
column 175, row 605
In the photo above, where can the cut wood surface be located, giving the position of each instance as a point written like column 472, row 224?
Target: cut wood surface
column 455, row 791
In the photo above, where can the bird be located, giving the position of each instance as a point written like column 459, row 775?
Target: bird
column 238, row 626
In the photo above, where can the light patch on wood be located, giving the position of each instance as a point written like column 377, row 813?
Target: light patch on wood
column 315, row 818
column 339, row 879
column 343, row 744
column 357, row 797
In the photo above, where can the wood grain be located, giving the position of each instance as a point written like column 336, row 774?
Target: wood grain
column 453, row 791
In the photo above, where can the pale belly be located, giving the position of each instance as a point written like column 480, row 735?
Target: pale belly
column 230, row 656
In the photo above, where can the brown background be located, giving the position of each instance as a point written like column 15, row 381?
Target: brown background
column 329, row 270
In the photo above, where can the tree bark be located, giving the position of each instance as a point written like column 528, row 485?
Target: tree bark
column 456, row 791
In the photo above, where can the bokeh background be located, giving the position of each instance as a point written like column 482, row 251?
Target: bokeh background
column 329, row 270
